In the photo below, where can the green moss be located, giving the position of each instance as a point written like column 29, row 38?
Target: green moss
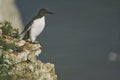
column 7, row 29
column 4, row 69
column 6, row 46
column 7, row 77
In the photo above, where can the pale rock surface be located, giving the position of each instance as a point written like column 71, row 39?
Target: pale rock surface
column 9, row 12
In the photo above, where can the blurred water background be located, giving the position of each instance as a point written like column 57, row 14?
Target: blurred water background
column 80, row 38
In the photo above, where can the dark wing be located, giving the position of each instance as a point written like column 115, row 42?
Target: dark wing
column 27, row 27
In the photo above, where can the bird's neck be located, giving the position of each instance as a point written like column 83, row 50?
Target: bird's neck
column 39, row 20
column 39, row 16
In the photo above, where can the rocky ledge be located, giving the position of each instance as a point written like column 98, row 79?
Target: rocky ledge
column 18, row 58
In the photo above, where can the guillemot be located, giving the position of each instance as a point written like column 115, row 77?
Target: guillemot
column 35, row 26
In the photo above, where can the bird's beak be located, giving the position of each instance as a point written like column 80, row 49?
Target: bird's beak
column 50, row 12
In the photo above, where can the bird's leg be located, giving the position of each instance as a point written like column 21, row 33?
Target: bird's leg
column 32, row 39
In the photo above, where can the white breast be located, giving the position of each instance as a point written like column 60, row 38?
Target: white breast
column 37, row 27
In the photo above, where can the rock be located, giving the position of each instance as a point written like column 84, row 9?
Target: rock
column 0, row 32
column 9, row 12
column 18, row 60
column 33, row 71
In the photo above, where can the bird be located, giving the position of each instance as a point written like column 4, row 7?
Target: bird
column 34, row 28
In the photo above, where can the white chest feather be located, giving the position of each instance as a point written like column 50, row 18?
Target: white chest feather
column 37, row 26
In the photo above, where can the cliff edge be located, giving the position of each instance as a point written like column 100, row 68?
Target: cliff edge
column 18, row 59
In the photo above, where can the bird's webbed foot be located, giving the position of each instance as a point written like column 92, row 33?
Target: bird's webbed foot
column 35, row 42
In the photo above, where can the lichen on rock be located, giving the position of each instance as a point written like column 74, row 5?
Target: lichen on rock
column 18, row 58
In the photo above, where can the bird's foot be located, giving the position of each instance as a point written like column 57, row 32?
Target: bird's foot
column 35, row 42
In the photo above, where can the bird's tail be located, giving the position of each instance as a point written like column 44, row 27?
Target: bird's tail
column 21, row 32
column 26, row 36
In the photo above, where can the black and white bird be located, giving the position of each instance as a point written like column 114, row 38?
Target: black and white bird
column 35, row 26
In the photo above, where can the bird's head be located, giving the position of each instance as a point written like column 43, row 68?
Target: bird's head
column 44, row 11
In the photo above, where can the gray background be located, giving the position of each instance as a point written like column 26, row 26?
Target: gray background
column 78, row 37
